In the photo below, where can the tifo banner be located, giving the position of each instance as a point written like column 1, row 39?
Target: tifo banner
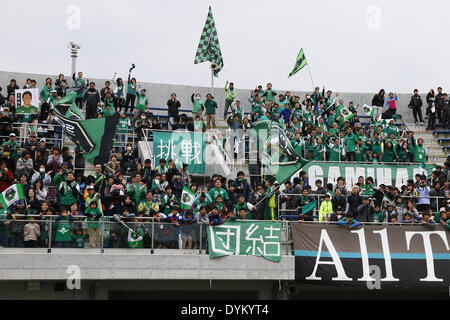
column 27, row 100
column 181, row 147
column 414, row 255
column 391, row 175
column 253, row 238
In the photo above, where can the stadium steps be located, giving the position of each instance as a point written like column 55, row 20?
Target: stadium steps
column 435, row 151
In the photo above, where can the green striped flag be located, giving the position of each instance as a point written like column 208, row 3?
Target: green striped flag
column 300, row 63
column 209, row 47
column 187, row 198
column 11, row 195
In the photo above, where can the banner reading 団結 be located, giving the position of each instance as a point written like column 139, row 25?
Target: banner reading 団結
column 181, row 147
column 255, row 238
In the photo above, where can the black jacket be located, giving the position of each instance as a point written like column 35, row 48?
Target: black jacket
column 364, row 213
column 378, row 100
column 91, row 96
column 10, row 89
column 439, row 100
column 173, row 107
column 416, row 102
column 339, row 203
column 446, row 106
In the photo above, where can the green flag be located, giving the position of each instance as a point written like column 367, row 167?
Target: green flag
column 308, row 208
column 94, row 137
column 187, row 198
column 209, row 48
column 299, row 63
column 278, row 156
column 11, row 195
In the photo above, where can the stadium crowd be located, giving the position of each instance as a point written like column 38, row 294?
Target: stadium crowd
column 67, row 207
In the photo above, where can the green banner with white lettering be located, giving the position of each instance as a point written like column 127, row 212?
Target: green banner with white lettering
column 181, row 147
column 391, row 175
column 255, row 238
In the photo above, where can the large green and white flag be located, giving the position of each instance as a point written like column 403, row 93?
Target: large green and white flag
column 300, row 63
column 245, row 237
column 94, row 137
column 368, row 110
column 11, row 195
column 209, row 47
column 187, row 198
column 278, row 156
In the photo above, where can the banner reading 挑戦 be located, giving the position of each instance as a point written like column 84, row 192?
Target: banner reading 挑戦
column 181, row 147
column 391, row 175
column 27, row 101
column 416, row 255
column 256, row 238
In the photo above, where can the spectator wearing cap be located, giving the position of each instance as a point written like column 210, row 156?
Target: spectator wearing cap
column 24, row 165
column 365, row 211
column 10, row 146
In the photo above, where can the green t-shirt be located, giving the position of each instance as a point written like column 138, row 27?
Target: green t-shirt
column 78, row 240
column 335, row 153
column 350, row 142
column 123, row 125
column 420, row 154
column 362, row 150
column 93, row 223
column 63, row 229
column 214, row 193
column 141, row 102
column 131, row 88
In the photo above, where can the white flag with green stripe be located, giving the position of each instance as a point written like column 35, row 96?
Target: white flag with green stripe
column 187, row 198
column 346, row 114
column 368, row 110
column 11, row 195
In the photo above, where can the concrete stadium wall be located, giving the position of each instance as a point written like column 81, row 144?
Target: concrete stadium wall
column 131, row 264
column 159, row 93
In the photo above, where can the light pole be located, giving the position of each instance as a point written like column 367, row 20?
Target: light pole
column 74, row 54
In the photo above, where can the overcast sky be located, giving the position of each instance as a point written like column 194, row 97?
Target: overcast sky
column 259, row 41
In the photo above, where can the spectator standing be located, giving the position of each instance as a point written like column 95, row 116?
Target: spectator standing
column 230, row 95
column 378, row 103
column 416, row 105
column 131, row 93
column 173, row 105
column 92, row 99
column 211, row 106
column 438, row 100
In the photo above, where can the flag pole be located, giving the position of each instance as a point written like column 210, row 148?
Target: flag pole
column 212, row 79
column 310, row 75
